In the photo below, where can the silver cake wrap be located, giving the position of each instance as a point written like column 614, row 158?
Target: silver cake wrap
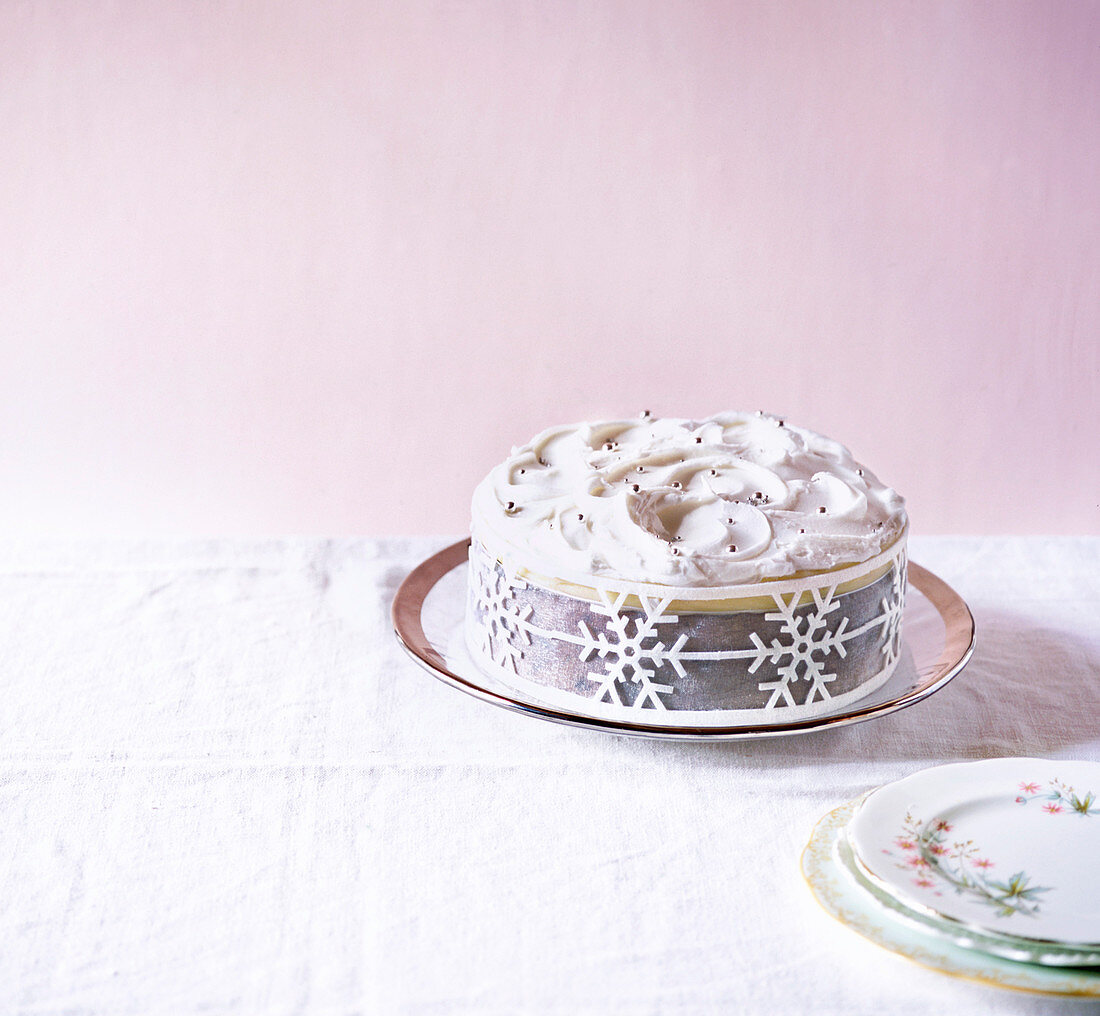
column 811, row 651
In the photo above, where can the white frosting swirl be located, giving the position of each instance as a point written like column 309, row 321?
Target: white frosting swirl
column 733, row 499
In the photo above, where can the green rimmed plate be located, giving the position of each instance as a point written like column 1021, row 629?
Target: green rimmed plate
column 886, row 923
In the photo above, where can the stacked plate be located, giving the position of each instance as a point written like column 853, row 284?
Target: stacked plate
column 989, row 870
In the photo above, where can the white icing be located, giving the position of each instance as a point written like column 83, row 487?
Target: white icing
column 736, row 480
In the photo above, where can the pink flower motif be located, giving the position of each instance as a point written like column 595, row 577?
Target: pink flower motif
column 1052, row 808
column 924, row 883
column 1029, row 788
column 983, row 862
column 905, row 844
column 943, row 827
column 938, row 849
column 917, row 862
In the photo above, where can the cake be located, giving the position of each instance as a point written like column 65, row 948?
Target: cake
column 736, row 568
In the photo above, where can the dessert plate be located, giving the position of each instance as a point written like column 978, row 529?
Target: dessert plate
column 428, row 613
column 1005, row 846
column 835, row 886
column 1006, row 946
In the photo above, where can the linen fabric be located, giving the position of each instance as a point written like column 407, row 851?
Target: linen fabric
column 225, row 788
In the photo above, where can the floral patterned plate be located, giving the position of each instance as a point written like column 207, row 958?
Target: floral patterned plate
column 1005, row 946
column 1006, row 847
column 880, row 919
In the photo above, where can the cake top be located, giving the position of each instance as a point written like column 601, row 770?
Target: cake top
column 732, row 499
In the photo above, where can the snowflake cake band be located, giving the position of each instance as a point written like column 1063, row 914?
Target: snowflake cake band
column 816, row 645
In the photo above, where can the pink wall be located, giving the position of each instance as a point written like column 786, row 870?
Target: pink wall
column 315, row 267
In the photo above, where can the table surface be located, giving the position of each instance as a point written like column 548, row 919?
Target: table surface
column 225, row 788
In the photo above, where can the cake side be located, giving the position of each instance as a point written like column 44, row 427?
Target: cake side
column 813, row 648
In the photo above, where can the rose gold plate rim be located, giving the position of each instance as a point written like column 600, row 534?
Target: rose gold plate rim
column 409, row 600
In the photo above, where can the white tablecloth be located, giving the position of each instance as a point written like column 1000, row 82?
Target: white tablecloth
column 225, row 789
